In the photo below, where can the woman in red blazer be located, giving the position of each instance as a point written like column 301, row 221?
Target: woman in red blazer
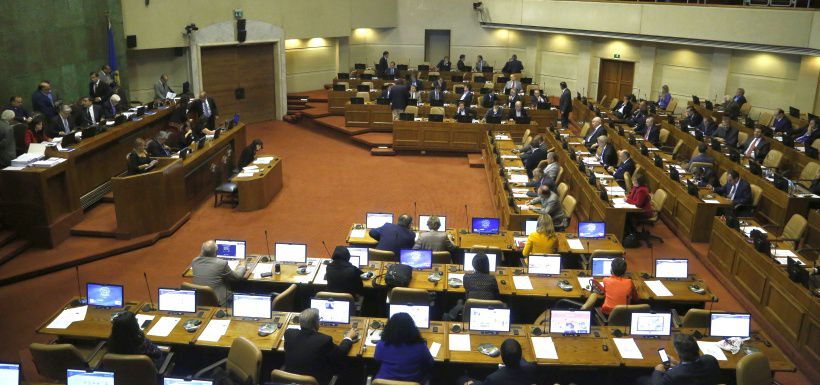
column 639, row 195
column 35, row 132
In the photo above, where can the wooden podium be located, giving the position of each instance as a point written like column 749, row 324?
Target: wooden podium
column 255, row 192
column 150, row 202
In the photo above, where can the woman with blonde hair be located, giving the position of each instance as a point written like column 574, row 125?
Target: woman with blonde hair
column 543, row 240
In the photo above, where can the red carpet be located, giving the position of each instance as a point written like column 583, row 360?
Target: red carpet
column 330, row 183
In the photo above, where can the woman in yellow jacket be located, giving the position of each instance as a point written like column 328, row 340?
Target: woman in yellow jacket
column 543, row 240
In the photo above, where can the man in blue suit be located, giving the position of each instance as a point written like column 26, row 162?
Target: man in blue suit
column 736, row 189
column 596, row 131
column 700, row 157
column 394, row 237
column 565, row 104
column 781, row 123
column 488, row 100
column 693, row 368
column 43, row 100
column 467, row 96
column 626, row 164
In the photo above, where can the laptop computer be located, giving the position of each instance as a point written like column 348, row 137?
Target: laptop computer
column 464, row 119
column 417, row 259
column 230, row 249
column 331, row 311
column 591, row 230
column 651, row 324
column 672, row 268
column 104, row 295
column 339, row 87
column 363, row 88
column 570, row 321
column 549, row 264
column 468, row 260
column 530, row 225
column 602, row 266
column 358, row 256
column 355, row 100
column 485, row 225
column 376, row 220
column 183, row 381
column 89, row 377
column 407, row 116
column 359, row 66
column 290, row 252
column 419, row 313
column 486, row 319
column 423, row 222
column 730, row 324
column 794, row 112
column 9, row 373
column 435, row 118
column 256, row 306
column 176, row 300
column 424, row 68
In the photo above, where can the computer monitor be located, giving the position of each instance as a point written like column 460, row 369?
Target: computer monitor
column 530, row 225
column 177, row 300
column 358, row 256
column 485, row 225
column 104, row 295
column 423, row 222
column 549, row 264
column 570, row 321
column 330, row 311
column 651, row 324
column 489, row 320
column 230, row 249
column 82, row 377
column 175, row 381
column 419, row 313
column 468, row 261
column 730, row 324
column 9, row 373
column 290, row 252
column 591, row 230
column 251, row 306
column 672, row 268
column 602, row 266
column 417, row 259
column 376, row 220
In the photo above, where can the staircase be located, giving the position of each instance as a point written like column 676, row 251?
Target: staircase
column 11, row 245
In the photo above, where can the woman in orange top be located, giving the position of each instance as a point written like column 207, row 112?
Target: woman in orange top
column 618, row 290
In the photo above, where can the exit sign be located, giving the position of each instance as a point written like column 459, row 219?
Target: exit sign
column 237, row 13
column 617, row 56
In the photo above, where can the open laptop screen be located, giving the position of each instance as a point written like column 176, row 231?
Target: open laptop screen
column 489, row 320
column 358, row 256
column 485, row 225
column 175, row 381
column 290, row 252
column 417, row 259
column 230, row 249
column 81, row 377
column 530, row 225
column 9, row 373
column 544, row 264
column 730, row 324
column 591, row 230
column 419, row 313
column 376, row 220
column 671, row 268
column 570, row 321
column 602, row 267
column 177, row 300
column 104, row 295
column 336, row 312
column 651, row 324
column 251, row 306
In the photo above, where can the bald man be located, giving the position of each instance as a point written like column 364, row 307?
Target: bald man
column 214, row 272
column 597, row 130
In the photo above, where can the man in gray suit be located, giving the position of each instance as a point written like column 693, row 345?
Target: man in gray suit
column 7, row 143
column 162, row 88
column 551, row 171
column 550, row 204
column 434, row 240
column 214, row 272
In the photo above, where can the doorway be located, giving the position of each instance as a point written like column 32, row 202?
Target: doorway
column 615, row 78
column 436, row 45
column 240, row 78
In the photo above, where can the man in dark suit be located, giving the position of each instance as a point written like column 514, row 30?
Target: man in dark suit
column 701, row 156
column 394, row 237
column 638, row 117
column 515, row 371
column 462, row 109
column 692, row 119
column 111, row 107
column 444, row 64
column 732, row 106
column 386, row 91
column 529, row 149
column 781, row 123
column 607, row 153
column 513, row 66
column 565, row 104
column 440, row 83
column 626, row 164
column 756, row 147
column 415, row 82
column 467, row 96
column 391, row 72
column 92, row 113
column 399, row 94
column 97, row 89
column 518, row 112
column 693, row 368
column 488, row 99
column 16, row 106
column 61, row 124
column 206, row 110
column 460, row 64
column 707, row 126
column 42, row 100
column 736, row 189
column 596, row 131
column 513, row 97
column 537, row 155
column 311, row 353
column 538, row 98
column 497, row 111
column 157, row 148
column 341, row 275
column 624, row 108
column 436, row 94
column 651, row 131
column 382, row 66
column 726, row 132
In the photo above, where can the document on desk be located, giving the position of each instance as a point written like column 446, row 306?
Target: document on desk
column 785, row 261
column 244, row 175
column 373, row 338
column 459, row 342
column 434, row 348
column 320, row 276
column 358, row 233
column 712, row 201
column 522, row 282
column 164, row 326
column 783, row 253
column 67, row 317
column 233, row 264
column 658, row 288
column 141, row 318
column 628, row 349
column 262, row 268
column 600, row 175
column 575, row 244
column 519, row 178
column 585, row 283
column 712, row 349
column 544, row 348
column 520, row 195
column 509, row 156
column 214, row 331
column 520, row 190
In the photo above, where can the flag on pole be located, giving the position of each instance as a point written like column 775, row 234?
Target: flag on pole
column 112, row 54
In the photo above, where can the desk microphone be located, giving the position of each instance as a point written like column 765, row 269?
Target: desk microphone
column 267, row 243
column 81, row 300
column 150, row 305
column 467, row 218
column 415, row 214
column 326, row 250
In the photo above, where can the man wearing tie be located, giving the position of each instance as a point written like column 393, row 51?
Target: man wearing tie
column 391, row 71
column 626, row 165
column 565, row 104
column 538, row 98
column 597, row 130
column 736, row 189
column 110, row 107
column 513, row 66
column 386, row 91
column 43, row 100
column 480, row 64
column 206, row 109
column 98, row 90
column 382, row 67
column 399, row 95
column 513, row 83
column 488, row 99
column 692, row 119
column 92, row 113
column 467, row 96
column 444, row 64
column 436, row 95
column 495, row 112
column 757, row 146
column 651, row 132
column 415, row 82
column 518, row 113
column 606, row 152
column 61, row 124
column 781, row 123
column 512, row 98
column 461, row 110
column 624, row 107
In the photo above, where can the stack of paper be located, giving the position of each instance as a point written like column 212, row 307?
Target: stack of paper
column 591, row 161
column 544, row 348
column 783, row 253
column 575, row 244
column 357, row 233
column 711, row 201
column 373, row 338
column 520, row 195
column 214, row 330
column 748, row 230
column 262, row 268
column 459, row 342
column 164, row 326
column 263, row 160
column 522, row 282
column 26, row 159
column 46, row 163
column 658, row 288
column 244, row 174
column 603, row 176
column 67, row 317
column 628, row 349
column 509, row 156
column 514, row 168
column 785, row 260
column 712, row 349
column 519, row 178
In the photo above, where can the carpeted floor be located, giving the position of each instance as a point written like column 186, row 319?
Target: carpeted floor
column 330, row 183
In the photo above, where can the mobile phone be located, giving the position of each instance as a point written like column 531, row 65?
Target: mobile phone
column 145, row 324
column 664, row 356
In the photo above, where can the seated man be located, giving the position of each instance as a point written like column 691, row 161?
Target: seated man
column 515, row 371
column 310, row 353
column 624, row 107
column 606, row 152
column 617, row 289
column 342, row 276
column 651, row 132
column 462, row 110
column 436, row 94
column 550, row 205
column 111, row 107
column 726, row 133
column 208, row 270
column 707, row 126
column 532, row 161
column 625, row 164
column 496, row 112
column 394, row 237
column 756, row 147
column 700, row 157
column 736, row 189
column 638, row 117
column 693, row 368
column 538, row 97
column 552, row 169
column 527, row 151
column 435, row 240
column 692, row 119
column 594, row 132
column 781, row 123
column 518, row 113
column 488, row 99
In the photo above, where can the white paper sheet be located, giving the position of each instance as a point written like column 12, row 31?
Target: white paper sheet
column 164, row 326
column 628, row 349
column 244, row 175
column 712, row 201
column 575, row 244
column 434, row 348
column 584, row 282
column 67, row 317
column 459, row 342
column 519, row 178
column 509, row 157
column 214, row 330
column 320, row 276
column 748, row 230
column 262, row 268
column 373, row 339
column 624, row 206
column 357, row 233
column 233, row 264
column 783, row 253
column 784, row 261
column 520, row 195
column 144, row 317
column 544, row 348
column 522, row 282
column 658, row 288
column 712, row 349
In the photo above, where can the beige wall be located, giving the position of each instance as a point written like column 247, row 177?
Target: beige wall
column 145, row 67
column 310, row 63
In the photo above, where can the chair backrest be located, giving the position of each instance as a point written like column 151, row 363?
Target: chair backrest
column 677, row 148
column 765, row 118
column 584, row 129
column 697, row 318
column 381, row 381
column 613, row 103
column 664, row 135
column 756, row 193
column 810, row 172
column 673, row 103
column 526, row 141
column 603, row 99
column 816, row 144
column 369, row 84
column 560, row 175
column 659, row 199
column 472, row 302
column 244, row 359
column 286, row 300
column 700, row 165
column 795, row 227
column 369, row 72
column 437, row 110
column 526, row 134
column 412, row 110
column 627, row 181
column 741, row 137
column 406, row 295
column 363, row 95
column 52, row 360
column 205, row 295
column 335, row 296
column 773, row 159
column 442, row 256
column 754, row 369
column 723, row 178
column 382, row 255
column 569, row 203
column 745, row 108
column 562, row 190
column 532, row 87
column 607, row 253
column 346, row 84
column 281, row 376
column 621, row 315
column 130, row 369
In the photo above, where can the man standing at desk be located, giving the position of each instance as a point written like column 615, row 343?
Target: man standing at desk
column 399, row 94
column 162, row 88
column 460, row 64
column 214, row 272
column 7, row 142
column 513, row 66
column 480, row 63
column 394, row 237
column 382, row 66
column 98, row 90
column 565, row 104
column 206, row 109
column 42, row 100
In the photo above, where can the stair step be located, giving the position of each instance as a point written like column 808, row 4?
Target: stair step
column 296, row 97
column 6, row 236
column 296, row 107
column 382, row 151
column 475, row 160
column 13, row 249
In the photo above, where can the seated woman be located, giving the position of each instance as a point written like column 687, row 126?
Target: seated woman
column 127, row 338
column 543, row 240
column 402, row 353
column 138, row 159
column 617, row 289
column 249, row 153
column 640, row 197
column 35, row 132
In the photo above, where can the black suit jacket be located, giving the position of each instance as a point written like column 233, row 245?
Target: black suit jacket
column 108, row 111
column 693, row 121
column 382, row 66
column 524, row 375
column 488, row 99
column 513, row 67
column 783, row 125
column 398, row 97
column 565, row 104
column 460, row 65
column 98, row 115
column 654, row 134
column 103, row 91
column 467, row 96
column 703, row 371
column 536, row 157
column 514, row 116
column 196, row 106
column 247, row 155
column 57, row 125
column 343, row 277
column 432, row 95
column 311, row 353
column 609, row 157
column 627, row 166
column 592, row 137
column 443, row 67
column 157, row 150
column 762, row 148
column 627, row 110
column 512, row 98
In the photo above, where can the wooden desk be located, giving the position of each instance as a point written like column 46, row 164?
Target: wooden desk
column 287, row 275
column 502, row 279
column 679, row 288
column 336, row 100
column 337, row 332
column 249, row 329
column 517, row 332
column 370, row 115
column 150, row 202
column 419, row 279
column 581, row 351
column 366, row 240
column 448, row 135
column 97, row 323
column 179, row 336
column 467, row 240
column 500, row 164
column 544, row 286
column 436, row 333
column 375, row 267
column 214, row 155
column 255, row 192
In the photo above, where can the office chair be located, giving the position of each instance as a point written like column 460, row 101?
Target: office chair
column 562, row 188
column 658, row 200
column 774, row 159
column 406, row 295
column 136, row 369
column 52, row 360
column 793, row 230
column 382, row 255
column 342, row 297
column 442, row 257
column 223, row 187
column 283, row 377
column 694, row 318
column 205, row 295
column 243, row 363
column 286, row 300
column 754, row 369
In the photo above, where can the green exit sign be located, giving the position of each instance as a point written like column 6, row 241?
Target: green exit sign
column 237, row 13
column 617, row 56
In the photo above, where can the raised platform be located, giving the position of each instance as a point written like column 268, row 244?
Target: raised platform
column 99, row 221
column 337, row 123
column 375, row 139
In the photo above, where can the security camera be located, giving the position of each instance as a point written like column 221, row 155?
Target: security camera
column 477, row 5
column 190, row 28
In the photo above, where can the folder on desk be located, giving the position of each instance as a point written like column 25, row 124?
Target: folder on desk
column 544, row 348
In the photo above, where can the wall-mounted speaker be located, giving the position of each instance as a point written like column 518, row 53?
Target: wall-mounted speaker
column 240, row 24
column 131, row 41
column 241, row 36
column 179, row 51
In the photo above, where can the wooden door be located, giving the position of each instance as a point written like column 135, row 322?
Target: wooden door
column 436, row 45
column 247, row 66
column 615, row 78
